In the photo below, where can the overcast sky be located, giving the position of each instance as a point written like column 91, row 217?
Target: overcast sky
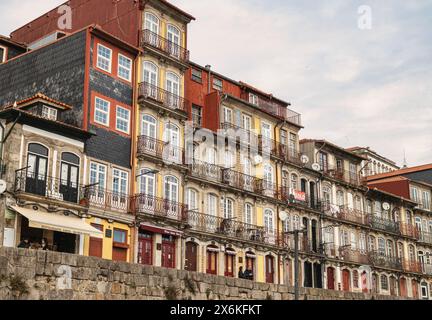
column 353, row 87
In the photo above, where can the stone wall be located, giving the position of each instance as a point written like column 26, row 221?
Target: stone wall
column 39, row 275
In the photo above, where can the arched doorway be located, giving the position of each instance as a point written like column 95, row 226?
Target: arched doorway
column 191, row 256
column 269, row 263
column 414, row 286
column 229, row 262
column 393, row 288
column 308, row 274
column 403, row 287
column 212, row 259
column 346, row 279
column 250, row 264
column 330, row 278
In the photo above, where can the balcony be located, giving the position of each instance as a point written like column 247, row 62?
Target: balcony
column 343, row 175
column 425, row 237
column 297, row 197
column 149, row 38
column 379, row 259
column 267, row 146
column 158, row 207
column 305, row 245
column 243, row 135
column 161, row 97
column 343, row 213
column 412, row 266
column 383, row 224
column 347, row 254
column 161, row 150
column 47, row 187
column 280, row 112
column 408, row 230
column 289, row 154
column 427, row 269
column 229, row 228
column 242, row 181
column 206, row 171
column 99, row 198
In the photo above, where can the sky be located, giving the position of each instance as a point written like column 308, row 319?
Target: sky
column 354, row 86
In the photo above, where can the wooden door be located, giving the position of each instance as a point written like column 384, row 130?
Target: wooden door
column 346, row 280
column 212, row 262
column 119, row 254
column 145, row 249
column 269, row 260
column 168, row 252
column 403, row 287
column 36, row 180
column 69, row 182
column 393, row 286
column 330, row 278
column 229, row 265
column 414, row 286
column 96, row 244
column 364, row 282
column 191, row 256
column 250, row 266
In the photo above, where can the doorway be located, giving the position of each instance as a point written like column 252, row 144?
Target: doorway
column 346, row 280
column 191, row 256
column 168, row 252
column 269, row 262
column 330, row 278
column 145, row 248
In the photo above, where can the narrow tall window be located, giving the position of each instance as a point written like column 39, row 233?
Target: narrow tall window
column 122, row 119
column 104, row 58
column 124, row 67
column 101, row 114
column 248, row 213
column 120, row 182
column 253, row 98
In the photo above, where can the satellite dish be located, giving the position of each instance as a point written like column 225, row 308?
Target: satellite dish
column 2, row 186
column 283, row 215
column 316, row 167
column 258, row 159
column 304, row 159
column 386, row 206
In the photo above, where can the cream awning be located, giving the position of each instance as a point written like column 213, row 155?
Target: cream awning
column 57, row 222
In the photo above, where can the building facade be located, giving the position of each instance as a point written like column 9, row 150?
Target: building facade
column 374, row 163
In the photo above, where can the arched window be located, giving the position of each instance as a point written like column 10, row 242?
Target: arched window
column 151, row 23
column 248, row 209
column 285, row 179
column 192, row 199
column 37, row 168
column 149, row 126
column 357, row 203
column 38, row 149
column 69, row 176
column 150, row 77
column 212, row 201
column 411, row 251
column 173, row 35
column 408, row 217
column 287, row 224
column 229, row 159
column 247, row 166
column 372, row 244
column 340, row 198
column 384, row 282
column 173, row 84
column 327, row 194
column 269, row 221
column 268, row 173
column 350, row 199
column 228, row 208
column 171, row 188
column 172, row 134
column 71, row 158
column 294, row 181
column 355, row 279
column 400, row 250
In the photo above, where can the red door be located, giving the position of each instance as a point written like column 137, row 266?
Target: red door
column 229, row 265
column 330, row 278
column 212, row 262
column 191, row 256
column 269, row 269
column 403, row 287
column 250, row 265
column 96, row 244
column 145, row 248
column 168, row 252
column 119, row 254
column 414, row 286
column 346, row 280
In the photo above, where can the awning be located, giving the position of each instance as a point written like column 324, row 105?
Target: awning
column 165, row 231
column 57, row 222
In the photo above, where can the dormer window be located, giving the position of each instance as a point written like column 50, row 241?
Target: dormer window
column 49, row 113
column 2, row 54
column 253, row 98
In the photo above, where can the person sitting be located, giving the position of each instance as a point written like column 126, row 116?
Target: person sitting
column 248, row 274
column 241, row 273
column 44, row 244
column 24, row 244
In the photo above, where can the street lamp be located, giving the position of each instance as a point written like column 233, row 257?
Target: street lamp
column 296, row 259
column 146, row 172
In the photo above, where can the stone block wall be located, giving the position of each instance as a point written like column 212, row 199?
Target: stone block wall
column 40, row 275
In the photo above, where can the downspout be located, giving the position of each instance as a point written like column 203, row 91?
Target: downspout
column 208, row 68
column 4, row 139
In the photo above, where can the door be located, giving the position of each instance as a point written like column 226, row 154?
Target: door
column 247, row 126
column 229, row 265
column 330, row 278
column 150, row 79
column 171, row 196
column 267, row 136
column 148, row 132
column 403, row 288
column 96, row 244
column 393, row 286
column 173, row 88
column 172, row 139
column 250, row 265
column 168, row 252
column 212, row 262
column 414, row 286
column 269, row 261
column 145, row 248
column 364, row 282
column 191, row 256
column 147, row 192
column 346, row 280
column 374, row 283
column 37, row 168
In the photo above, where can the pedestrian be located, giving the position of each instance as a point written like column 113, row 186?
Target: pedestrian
column 24, row 244
column 241, row 273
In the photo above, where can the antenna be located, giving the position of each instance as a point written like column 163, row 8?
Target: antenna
column 405, row 165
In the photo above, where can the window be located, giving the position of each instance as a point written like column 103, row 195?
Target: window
column 323, row 161
column 381, row 247
column 390, row 248
column 150, row 76
column 120, row 182
column 212, row 204
column 362, row 243
column 372, row 244
column 292, row 143
column 104, row 58
column 192, row 200
column 248, row 213
column 340, row 198
column 122, row 119
column 124, row 67
column 173, row 35
column 424, row 290
column 2, row 54
column 355, row 279
column 171, row 189
column 120, row 236
column 426, row 200
column 101, row 114
column 294, row 182
column 49, row 113
column 228, row 208
column 196, row 116
column 147, row 182
column 228, row 115
column 368, row 206
column 384, row 282
column 296, row 222
column 268, row 174
column 268, row 221
column 287, row 224
column 149, row 126
column 253, row 98
column 197, row 75
column 152, row 23
column 98, row 175
column 217, row 84
column 414, row 194
column 327, row 194
column 173, row 83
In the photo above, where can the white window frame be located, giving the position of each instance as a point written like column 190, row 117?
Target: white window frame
column 248, row 213
column 3, row 58
column 253, row 99
column 97, row 170
column 122, row 119
column 51, row 113
column 102, row 111
column 117, row 173
column 129, row 79
column 104, row 58
column 229, row 111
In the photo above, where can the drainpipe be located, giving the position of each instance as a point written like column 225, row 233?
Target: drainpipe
column 208, row 68
column 3, row 140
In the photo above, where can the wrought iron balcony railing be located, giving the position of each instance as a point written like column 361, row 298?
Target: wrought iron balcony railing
column 425, row 237
column 150, row 205
column 46, row 186
column 280, row 112
column 172, row 49
column 412, row 266
column 289, row 154
column 242, row 181
column 427, row 268
column 167, row 99
column 383, row 224
column 94, row 196
column 346, row 253
column 343, row 213
column 289, row 195
column 379, row 259
column 246, row 136
column 160, row 149
column 206, row 171
column 350, row 177
column 409, row 230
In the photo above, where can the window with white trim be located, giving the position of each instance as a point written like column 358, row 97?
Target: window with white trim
column 122, row 119
column 253, row 98
column 384, row 282
column 228, row 208
column 217, row 84
column 104, row 58
column 120, row 182
column 124, row 67
column 49, row 113
column 101, row 114
column 98, row 175
column 248, row 213
column 269, row 221
column 2, row 54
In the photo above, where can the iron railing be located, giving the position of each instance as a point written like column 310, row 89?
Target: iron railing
column 346, row 253
column 206, row 171
column 243, row 135
column 379, row 259
column 46, row 186
column 242, row 181
column 166, row 98
column 94, row 196
column 150, row 205
column 344, row 213
column 425, row 237
column 289, row 154
column 350, row 177
column 160, row 149
column 383, row 224
column 427, row 269
column 409, row 230
column 153, row 39
column 280, row 111
column 412, row 266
